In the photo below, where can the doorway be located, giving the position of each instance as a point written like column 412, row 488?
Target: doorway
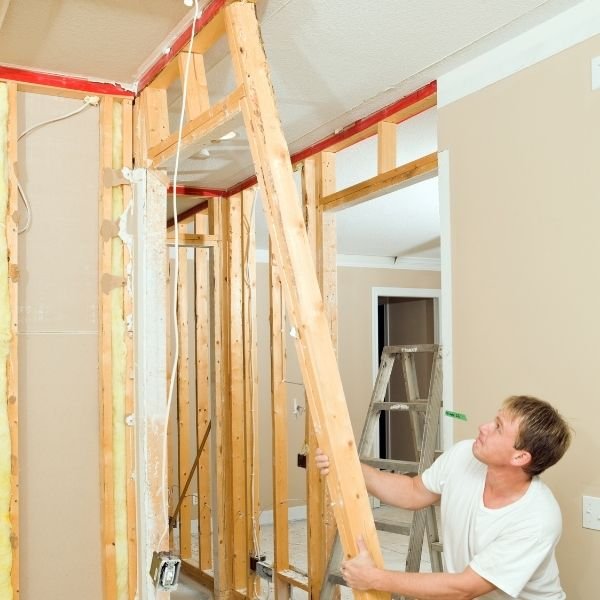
column 404, row 317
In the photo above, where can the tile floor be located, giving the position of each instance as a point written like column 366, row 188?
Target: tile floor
column 394, row 548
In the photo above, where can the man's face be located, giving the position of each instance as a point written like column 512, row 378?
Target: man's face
column 495, row 444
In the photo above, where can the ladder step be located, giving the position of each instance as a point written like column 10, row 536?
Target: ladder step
column 437, row 546
column 392, row 526
column 400, row 466
column 417, row 406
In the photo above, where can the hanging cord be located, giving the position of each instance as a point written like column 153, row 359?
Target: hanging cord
column 87, row 101
column 173, row 377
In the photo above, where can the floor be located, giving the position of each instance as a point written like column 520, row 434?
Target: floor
column 393, row 546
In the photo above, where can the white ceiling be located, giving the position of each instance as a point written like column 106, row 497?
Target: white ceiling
column 332, row 62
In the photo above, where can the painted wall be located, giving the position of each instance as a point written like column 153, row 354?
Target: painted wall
column 58, row 354
column 524, row 162
column 355, row 359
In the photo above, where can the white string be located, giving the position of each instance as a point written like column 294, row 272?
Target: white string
column 87, row 101
column 176, row 270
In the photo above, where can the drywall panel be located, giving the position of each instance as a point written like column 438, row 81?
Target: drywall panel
column 59, row 450
column 58, row 355
column 524, row 211
column 355, row 361
column 58, row 170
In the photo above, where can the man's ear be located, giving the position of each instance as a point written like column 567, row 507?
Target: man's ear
column 521, row 458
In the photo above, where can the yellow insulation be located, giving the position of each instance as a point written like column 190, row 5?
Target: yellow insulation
column 119, row 353
column 6, row 590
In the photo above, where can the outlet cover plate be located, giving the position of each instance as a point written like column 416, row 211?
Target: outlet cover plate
column 591, row 512
column 596, row 73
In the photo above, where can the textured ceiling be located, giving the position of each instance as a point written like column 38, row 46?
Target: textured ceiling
column 332, row 62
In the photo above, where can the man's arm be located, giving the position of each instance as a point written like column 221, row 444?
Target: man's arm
column 361, row 573
column 398, row 490
column 391, row 488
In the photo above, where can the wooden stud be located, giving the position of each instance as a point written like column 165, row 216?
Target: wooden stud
column 108, row 525
column 386, row 146
column 10, row 327
column 156, row 115
column 218, row 213
column 250, row 380
column 408, row 174
column 199, row 130
column 203, row 383
column 127, row 161
column 197, row 89
column 290, row 245
column 234, row 303
column 281, row 561
column 184, row 408
column 316, row 543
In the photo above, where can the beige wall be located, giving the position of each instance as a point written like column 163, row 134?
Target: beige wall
column 355, row 358
column 58, row 355
column 525, row 213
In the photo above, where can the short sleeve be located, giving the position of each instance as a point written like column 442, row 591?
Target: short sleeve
column 511, row 560
column 435, row 477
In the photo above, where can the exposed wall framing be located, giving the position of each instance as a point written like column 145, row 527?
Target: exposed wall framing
column 116, row 365
column 9, row 274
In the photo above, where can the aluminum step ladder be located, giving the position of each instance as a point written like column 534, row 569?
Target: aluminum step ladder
column 424, row 424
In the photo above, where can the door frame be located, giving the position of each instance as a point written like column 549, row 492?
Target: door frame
column 394, row 292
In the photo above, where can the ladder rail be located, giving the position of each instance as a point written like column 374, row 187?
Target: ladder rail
column 423, row 526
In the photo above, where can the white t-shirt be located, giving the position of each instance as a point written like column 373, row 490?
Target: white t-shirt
column 511, row 547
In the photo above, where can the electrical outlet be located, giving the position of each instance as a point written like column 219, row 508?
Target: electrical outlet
column 195, row 499
column 596, row 73
column 591, row 512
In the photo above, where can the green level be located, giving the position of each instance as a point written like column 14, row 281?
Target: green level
column 456, row 415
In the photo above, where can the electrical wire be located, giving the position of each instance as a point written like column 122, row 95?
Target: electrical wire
column 87, row 101
column 176, row 269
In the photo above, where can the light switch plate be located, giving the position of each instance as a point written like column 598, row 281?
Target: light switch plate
column 596, row 73
column 591, row 512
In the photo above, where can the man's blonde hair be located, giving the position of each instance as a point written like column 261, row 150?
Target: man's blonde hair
column 542, row 431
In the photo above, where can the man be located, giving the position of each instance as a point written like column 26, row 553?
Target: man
column 500, row 522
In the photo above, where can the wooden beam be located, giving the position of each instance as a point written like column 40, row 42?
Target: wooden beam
column 105, row 341
column 234, row 304
column 203, row 41
column 386, row 146
column 9, row 421
column 196, row 101
column 279, row 412
column 197, row 575
column 408, row 174
column 221, row 468
column 401, row 115
column 198, row 130
column 127, row 161
column 203, row 388
column 290, row 244
column 251, row 403
column 184, row 408
column 156, row 115
column 194, row 240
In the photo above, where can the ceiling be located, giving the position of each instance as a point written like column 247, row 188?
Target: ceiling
column 332, row 62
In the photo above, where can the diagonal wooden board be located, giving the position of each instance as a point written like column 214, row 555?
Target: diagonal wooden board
column 303, row 298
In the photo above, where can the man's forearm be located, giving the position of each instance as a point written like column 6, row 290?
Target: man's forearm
column 390, row 488
column 425, row 586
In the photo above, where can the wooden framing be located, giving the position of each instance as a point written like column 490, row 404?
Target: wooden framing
column 185, row 412
column 9, row 418
column 384, row 183
column 290, row 245
column 281, row 560
column 250, row 383
column 119, row 515
column 203, row 387
column 225, row 329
